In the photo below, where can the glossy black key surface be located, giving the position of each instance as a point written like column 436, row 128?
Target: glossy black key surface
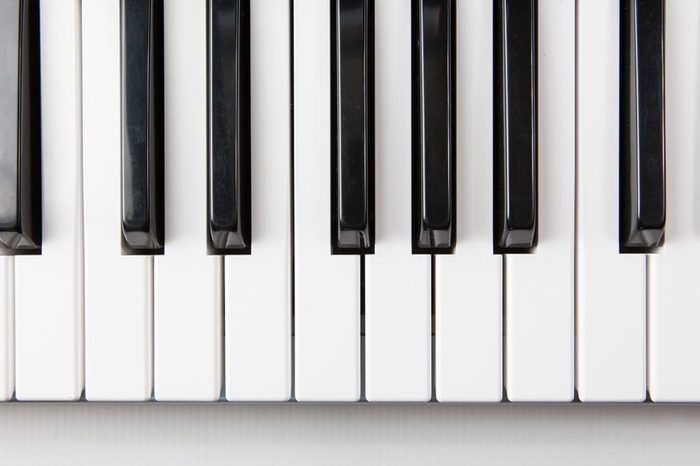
column 515, row 125
column 352, row 127
column 20, row 127
column 642, row 148
column 142, row 126
column 229, row 126
column 433, row 126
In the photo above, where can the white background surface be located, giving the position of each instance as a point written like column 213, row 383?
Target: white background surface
column 78, row 434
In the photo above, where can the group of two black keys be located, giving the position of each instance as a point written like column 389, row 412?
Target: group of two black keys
column 642, row 152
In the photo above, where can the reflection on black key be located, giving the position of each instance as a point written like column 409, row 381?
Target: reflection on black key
column 433, row 126
column 229, row 127
column 352, row 127
column 20, row 128
column 515, row 125
column 142, row 125
column 642, row 150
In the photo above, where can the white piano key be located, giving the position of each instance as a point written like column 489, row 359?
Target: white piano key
column 327, row 287
column 49, row 287
column 258, row 286
column 611, row 327
column 7, row 327
column 187, row 281
column 397, row 283
column 468, row 335
column 118, row 299
column 540, row 286
column 674, row 349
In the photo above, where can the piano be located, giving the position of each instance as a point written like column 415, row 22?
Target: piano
column 349, row 200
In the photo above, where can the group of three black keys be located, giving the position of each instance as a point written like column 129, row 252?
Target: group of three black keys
column 642, row 153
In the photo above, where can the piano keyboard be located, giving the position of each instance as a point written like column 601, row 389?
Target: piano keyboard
column 349, row 200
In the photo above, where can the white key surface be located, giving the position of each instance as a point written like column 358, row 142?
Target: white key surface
column 7, row 327
column 187, row 281
column 674, row 294
column 397, row 283
column 540, row 286
column 49, row 287
column 7, row 274
column 327, row 287
column 468, row 335
column 611, row 327
column 258, row 286
column 8, row 138
column 118, row 288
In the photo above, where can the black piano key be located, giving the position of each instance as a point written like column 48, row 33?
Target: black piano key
column 20, row 128
column 433, row 126
column 515, row 125
column 142, row 126
column 642, row 149
column 352, row 128
column 229, row 127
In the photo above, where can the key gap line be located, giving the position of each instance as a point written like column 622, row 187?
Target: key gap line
column 433, row 385
column 504, row 328
column 222, row 313
column 80, row 201
column 292, row 263
column 647, row 308
column 363, row 353
column 13, row 330
column 152, row 331
column 576, row 206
